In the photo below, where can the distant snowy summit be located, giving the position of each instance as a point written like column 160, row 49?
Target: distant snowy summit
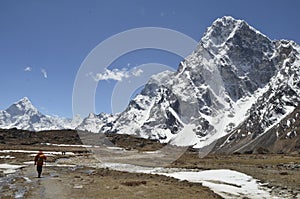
column 237, row 84
column 23, row 115
column 94, row 123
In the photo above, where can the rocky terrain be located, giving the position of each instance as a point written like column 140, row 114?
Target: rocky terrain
column 76, row 175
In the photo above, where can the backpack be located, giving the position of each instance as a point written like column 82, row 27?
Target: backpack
column 40, row 159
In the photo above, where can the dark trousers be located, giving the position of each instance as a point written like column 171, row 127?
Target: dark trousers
column 39, row 170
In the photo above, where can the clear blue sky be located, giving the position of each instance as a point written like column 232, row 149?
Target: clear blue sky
column 43, row 43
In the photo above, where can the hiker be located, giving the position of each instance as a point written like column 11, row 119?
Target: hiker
column 39, row 161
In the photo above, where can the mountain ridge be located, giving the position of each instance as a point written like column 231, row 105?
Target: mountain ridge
column 23, row 115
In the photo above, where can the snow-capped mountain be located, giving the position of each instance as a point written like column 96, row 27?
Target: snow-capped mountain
column 230, row 79
column 23, row 115
column 93, row 123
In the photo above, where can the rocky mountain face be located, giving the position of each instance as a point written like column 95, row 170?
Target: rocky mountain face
column 23, row 115
column 282, row 137
column 272, row 123
column 236, row 78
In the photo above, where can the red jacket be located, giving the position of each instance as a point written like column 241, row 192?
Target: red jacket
column 39, row 159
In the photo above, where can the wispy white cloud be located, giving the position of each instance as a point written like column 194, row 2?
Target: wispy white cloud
column 44, row 72
column 28, row 69
column 116, row 74
column 137, row 72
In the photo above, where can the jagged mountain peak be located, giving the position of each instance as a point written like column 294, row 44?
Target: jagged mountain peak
column 23, row 115
column 24, row 101
column 21, row 107
column 91, row 115
column 226, row 21
column 94, row 123
column 220, row 31
column 243, row 56
column 225, row 29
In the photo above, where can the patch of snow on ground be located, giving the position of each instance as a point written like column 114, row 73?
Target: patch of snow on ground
column 50, row 164
column 6, row 157
column 115, row 148
column 10, row 168
column 227, row 183
column 71, row 145
column 49, row 153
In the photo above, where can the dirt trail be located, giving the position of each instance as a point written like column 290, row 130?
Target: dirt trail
column 86, row 182
column 49, row 186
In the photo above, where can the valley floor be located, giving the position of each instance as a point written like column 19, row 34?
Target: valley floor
column 65, row 176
